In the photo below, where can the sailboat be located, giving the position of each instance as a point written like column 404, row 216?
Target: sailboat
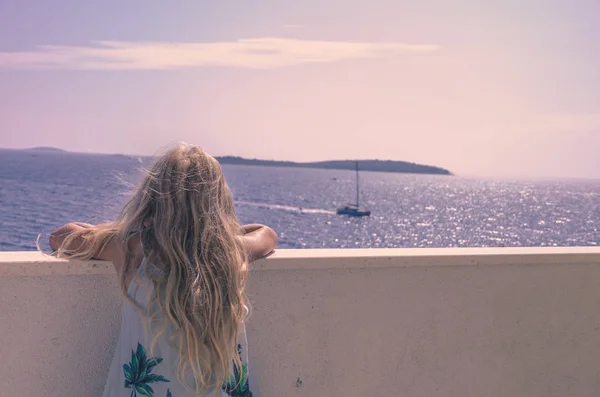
column 354, row 209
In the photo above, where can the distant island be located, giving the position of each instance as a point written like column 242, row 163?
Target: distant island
column 45, row 149
column 364, row 165
column 403, row 167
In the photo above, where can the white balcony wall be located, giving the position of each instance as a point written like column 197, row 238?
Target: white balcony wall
column 329, row 323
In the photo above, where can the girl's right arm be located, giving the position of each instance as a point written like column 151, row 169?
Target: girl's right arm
column 260, row 241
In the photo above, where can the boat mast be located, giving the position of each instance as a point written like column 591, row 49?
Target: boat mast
column 357, row 195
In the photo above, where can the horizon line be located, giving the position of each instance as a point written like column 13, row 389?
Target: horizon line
column 59, row 150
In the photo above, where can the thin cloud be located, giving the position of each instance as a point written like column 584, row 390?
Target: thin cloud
column 293, row 26
column 261, row 53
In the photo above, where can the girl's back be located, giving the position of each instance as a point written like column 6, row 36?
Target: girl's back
column 137, row 371
column 182, row 330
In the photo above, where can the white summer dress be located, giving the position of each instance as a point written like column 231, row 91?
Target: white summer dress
column 134, row 372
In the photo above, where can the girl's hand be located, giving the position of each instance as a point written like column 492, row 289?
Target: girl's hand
column 260, row 241
column 83, row 224
column 58, row 235
column 94, row 242
column 251, row 228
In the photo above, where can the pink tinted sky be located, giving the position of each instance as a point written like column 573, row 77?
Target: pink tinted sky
column 484, row 88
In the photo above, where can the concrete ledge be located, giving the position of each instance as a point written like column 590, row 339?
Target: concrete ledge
column 29, row 263
column 418, row 322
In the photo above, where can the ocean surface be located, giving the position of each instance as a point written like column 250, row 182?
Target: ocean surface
column 42, row 190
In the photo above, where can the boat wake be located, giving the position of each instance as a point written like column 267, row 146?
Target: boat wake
column 276, row 207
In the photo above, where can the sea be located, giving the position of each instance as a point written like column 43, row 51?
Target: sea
column 40, row 190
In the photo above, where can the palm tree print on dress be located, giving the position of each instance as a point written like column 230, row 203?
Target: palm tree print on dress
column 138, row 373
column 237, row 384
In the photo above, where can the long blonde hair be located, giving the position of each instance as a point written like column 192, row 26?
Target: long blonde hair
column 189, row 231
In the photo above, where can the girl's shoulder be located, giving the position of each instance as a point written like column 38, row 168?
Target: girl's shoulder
column 114, row 253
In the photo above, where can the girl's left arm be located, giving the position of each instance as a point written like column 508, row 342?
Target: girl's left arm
column 81, row 242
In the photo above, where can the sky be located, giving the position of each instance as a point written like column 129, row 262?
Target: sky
column 484, row 88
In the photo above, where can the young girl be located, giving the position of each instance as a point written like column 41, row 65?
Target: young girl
column 182, row 260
